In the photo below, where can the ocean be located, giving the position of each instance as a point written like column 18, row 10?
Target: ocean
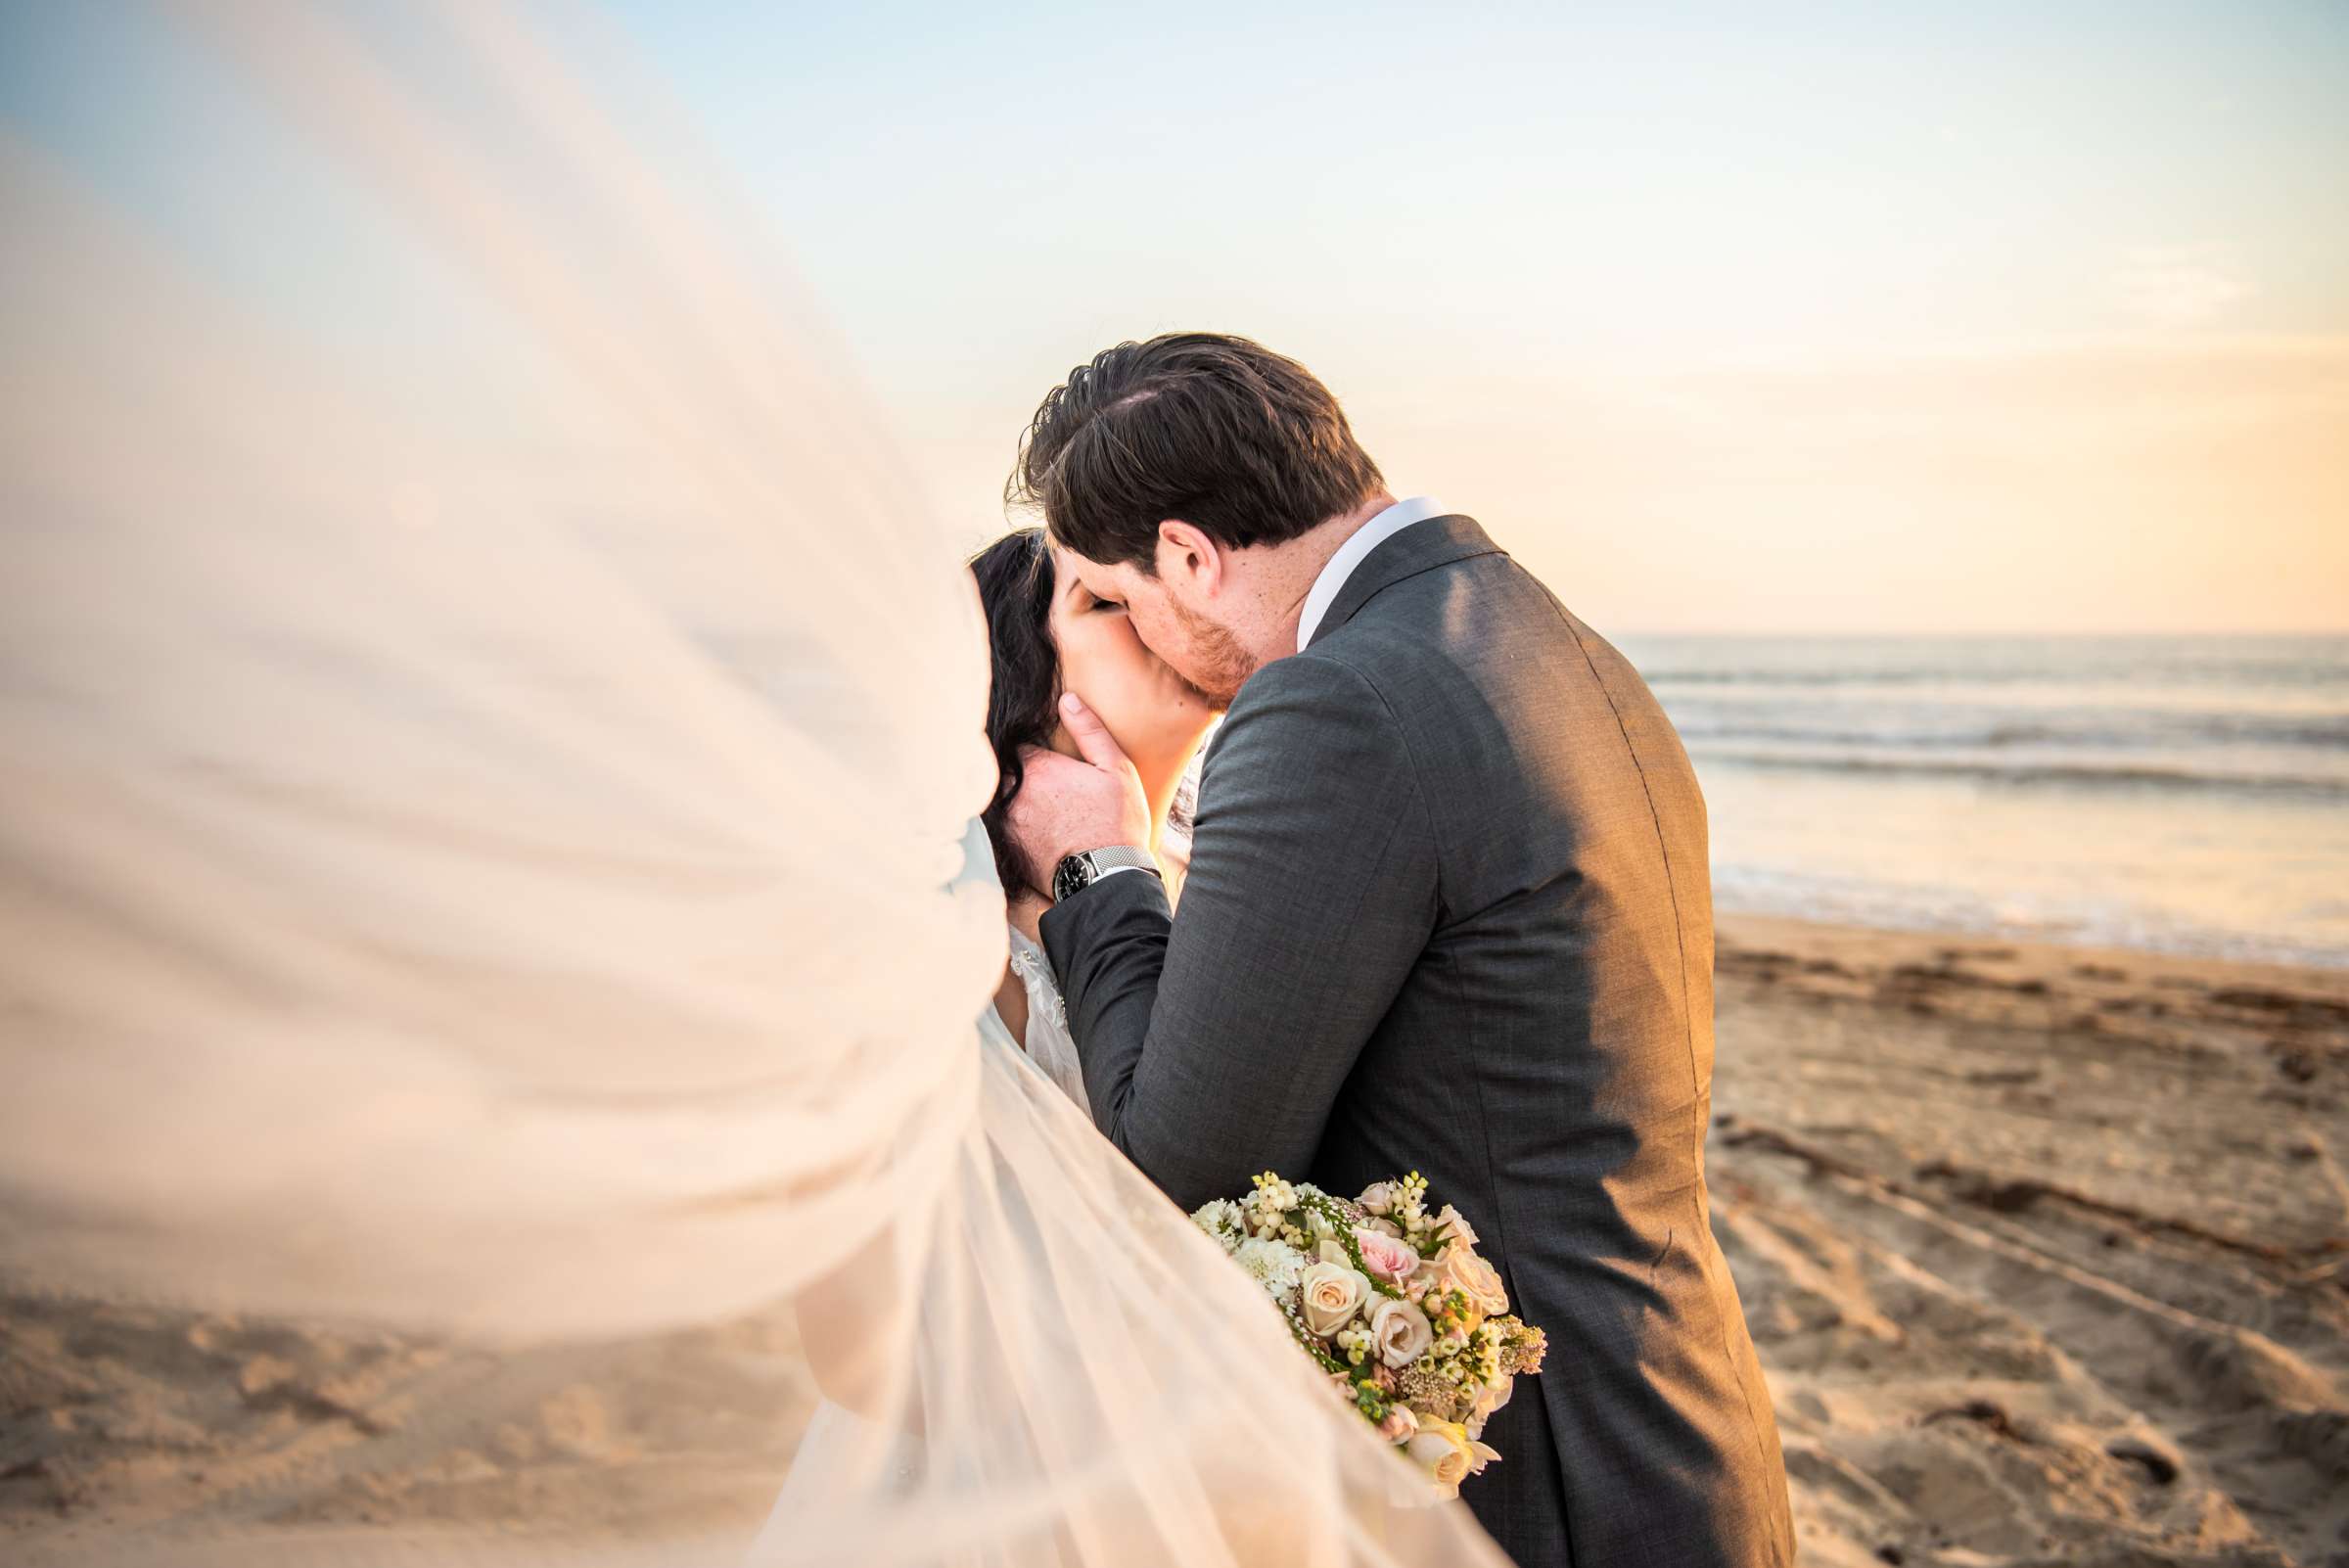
column 2182, row 793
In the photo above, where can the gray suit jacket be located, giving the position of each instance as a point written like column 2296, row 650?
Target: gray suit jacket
column 1450, row 910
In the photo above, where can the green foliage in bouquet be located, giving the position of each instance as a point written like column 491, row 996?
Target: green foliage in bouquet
column 1394, row 1302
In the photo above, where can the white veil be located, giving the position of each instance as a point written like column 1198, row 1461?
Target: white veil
column 487, row 746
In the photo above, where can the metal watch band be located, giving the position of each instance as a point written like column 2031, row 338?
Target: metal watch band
column 1076, row 872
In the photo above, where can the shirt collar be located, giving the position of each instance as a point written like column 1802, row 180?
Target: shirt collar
column 1366, row 538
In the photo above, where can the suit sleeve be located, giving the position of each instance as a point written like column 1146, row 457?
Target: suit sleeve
column 1215, row 1046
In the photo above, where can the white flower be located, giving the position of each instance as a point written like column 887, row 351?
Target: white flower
column 1272, row 1192
column 1264, row 1208
column 1273, row 1264
column 1377, row 1198
column 1221, row 1219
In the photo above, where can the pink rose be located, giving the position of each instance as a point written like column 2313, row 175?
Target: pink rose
column 1391, row 1259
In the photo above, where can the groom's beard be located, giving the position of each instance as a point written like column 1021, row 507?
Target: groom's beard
column 1219, row 665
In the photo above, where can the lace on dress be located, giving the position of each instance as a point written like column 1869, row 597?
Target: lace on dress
column 1049, row 1044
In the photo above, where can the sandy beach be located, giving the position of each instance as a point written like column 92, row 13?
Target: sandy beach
column 2046, row 1250
column 2043, row 1247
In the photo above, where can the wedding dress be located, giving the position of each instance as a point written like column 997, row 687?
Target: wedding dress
column 1049, row 1045
column 836, row 1431
column 488, row 736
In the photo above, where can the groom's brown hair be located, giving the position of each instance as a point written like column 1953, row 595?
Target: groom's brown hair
column 1242, row 443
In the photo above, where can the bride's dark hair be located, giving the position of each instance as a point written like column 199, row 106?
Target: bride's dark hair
column 1015, row 589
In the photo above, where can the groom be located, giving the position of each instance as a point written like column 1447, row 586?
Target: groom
column 1447, row 909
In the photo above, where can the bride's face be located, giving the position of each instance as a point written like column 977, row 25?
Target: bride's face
column 1156, row 716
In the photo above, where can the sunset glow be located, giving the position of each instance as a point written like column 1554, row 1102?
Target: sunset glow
column 1788, row 319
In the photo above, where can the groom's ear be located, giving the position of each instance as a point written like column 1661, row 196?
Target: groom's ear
column 1186, row 553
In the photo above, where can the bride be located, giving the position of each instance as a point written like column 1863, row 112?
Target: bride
column 482, row 855
column 1046, row 635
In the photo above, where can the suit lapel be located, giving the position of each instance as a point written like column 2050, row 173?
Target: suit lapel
column 1437, row 541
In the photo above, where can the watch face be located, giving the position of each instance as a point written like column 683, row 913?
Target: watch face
column 1069, row 878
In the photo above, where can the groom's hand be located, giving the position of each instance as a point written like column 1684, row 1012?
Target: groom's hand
column 1066, row 805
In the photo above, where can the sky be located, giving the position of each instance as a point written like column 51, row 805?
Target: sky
column 1749, row 317
column 1755, row 317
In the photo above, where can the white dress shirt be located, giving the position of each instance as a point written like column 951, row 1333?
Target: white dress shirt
column 1366, row 538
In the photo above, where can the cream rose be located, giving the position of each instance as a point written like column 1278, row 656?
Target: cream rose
column 1489, row 1399
column 1402, row 1331
column 1443, row 1449
column 1449, row 1452
column 1464, row 1271
column 1330, row 1294
column 1400, row 1425
column 1377, row 1198
column 1391, row 1259
column 1455, row 1227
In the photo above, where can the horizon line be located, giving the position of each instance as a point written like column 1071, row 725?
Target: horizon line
column 1986, row 635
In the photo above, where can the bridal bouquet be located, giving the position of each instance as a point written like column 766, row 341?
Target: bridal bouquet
column 1395, row 1306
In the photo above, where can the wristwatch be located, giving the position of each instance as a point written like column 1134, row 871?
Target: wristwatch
column 1078, row 872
